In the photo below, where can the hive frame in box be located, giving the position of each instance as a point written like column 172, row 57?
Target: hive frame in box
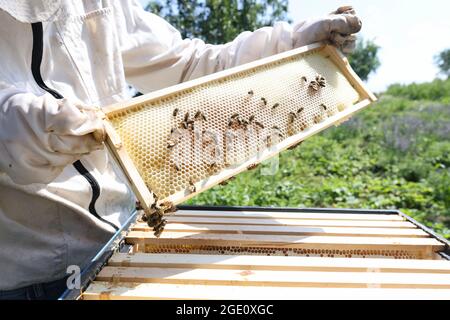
column 116, row 243
column 143, row 193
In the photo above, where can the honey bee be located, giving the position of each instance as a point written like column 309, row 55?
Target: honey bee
column 276, row 128
column 186, row 117
column 251, row 119
column 259, row 124
column 184, row 125
column 171, row 144
column 323, row 106
column 175, row 112
column 191, row 187
column 225, row 182
column 159, row 228
column 300, row 110
column 212, row 165
column 200, row 115
column 321, row 80
column 154, row 219
column 295, row 145
column 190, row 124
column 264, row 101
column 252, row 166
column 314, row 85
column 176, row 167
column 291, row 117
column 171, row 210
column 165, row 205
column 251, row 92
column 235, row 115
column 304, row 79
column 268, row 141
column 276, row 105
column 139, row 206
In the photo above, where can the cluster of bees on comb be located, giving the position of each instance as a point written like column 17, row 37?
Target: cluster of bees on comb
column 155, row 218
column 236, row 121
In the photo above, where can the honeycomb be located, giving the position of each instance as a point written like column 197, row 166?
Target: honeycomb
column 277, row 251
column 178, row 140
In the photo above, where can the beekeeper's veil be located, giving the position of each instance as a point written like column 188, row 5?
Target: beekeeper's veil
column 30, row 11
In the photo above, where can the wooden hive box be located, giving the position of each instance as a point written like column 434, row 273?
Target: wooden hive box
column 262, row 253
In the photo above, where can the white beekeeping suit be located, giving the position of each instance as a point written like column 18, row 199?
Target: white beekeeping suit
column 61, row 195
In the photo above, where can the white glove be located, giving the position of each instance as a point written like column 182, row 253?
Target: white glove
column 39, row 136
column 338, row 28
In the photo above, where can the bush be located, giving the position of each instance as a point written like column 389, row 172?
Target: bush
column 437, row 90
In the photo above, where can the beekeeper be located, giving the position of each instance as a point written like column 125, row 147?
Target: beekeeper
column 61, row 195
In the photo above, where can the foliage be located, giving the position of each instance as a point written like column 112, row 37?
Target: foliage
column 219, row 21
column 364, row 60
column 393, row 155
column 442, row 60
column 438, row 90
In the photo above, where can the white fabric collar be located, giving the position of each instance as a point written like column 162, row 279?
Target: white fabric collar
column 30, row 11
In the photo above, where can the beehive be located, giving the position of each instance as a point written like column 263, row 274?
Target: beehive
column 180, row 141
column 276, row 254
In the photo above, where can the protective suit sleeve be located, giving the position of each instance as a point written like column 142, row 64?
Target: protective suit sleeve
column 40, row 135
column 155, row 55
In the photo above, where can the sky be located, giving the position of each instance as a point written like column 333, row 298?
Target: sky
column 410, row 34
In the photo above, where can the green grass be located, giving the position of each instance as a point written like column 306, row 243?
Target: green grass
column 393, row 155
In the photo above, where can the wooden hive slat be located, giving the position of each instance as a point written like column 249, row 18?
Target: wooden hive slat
column 287, row 222
column 288, row 215
column 290, row 230
column 275, row 278
column 291, row 263
column 135, row 291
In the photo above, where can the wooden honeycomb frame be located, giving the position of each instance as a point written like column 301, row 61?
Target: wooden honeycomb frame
column 146, row 196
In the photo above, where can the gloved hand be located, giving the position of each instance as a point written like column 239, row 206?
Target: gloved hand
column 40, row 136
column 338, row 28
column 79, row 121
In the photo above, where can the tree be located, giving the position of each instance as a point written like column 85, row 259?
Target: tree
column 442, row 61
column 219, row 21
column 364, row 60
